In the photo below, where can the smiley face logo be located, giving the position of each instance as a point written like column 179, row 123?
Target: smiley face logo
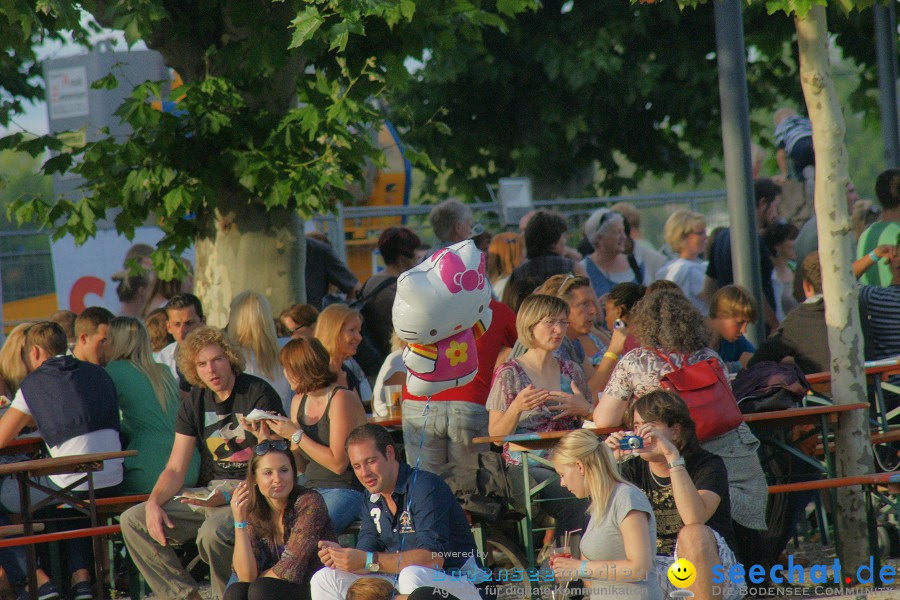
column 682, row 573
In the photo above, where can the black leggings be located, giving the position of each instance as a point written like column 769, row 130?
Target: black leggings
column 267, row 588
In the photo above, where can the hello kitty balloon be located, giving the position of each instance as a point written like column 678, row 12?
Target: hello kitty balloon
column 441, row 307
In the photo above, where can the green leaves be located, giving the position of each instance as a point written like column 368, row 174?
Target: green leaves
column 305, row 26
column 110, row 82
column 280, row 105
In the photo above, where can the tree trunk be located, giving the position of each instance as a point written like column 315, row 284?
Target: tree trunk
column 242, row 247
column 854, row 455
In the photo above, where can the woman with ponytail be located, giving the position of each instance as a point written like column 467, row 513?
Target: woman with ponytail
column 619, row 544
column 148, row 403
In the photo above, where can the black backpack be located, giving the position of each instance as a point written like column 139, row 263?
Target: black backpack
column 369, row 355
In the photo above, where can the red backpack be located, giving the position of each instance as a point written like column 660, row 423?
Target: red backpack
column 705, row 389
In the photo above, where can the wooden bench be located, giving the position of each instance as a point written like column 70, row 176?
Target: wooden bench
column 879, row 437
column 870, row 484
column 114, row 506
column 872, row 479
column 43, row 538
column 19, row 529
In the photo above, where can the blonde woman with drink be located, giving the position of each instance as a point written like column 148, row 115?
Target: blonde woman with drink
column 619, row 543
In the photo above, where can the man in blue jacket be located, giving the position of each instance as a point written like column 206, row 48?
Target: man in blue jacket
column 413, row 529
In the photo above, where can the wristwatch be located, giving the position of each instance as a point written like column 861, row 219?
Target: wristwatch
column 295, row 438
column 678, row 462
column 372, row 562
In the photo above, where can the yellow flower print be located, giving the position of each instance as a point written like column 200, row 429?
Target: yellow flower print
column 457, row 353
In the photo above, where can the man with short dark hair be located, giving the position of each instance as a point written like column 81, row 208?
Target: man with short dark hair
column 397, row 246
column 76, row 410
column 719, row 272
column 91, row 339
column 66, row 320
column 886, row 229
column 211, row 420
column 184, row 314
column 413, row 528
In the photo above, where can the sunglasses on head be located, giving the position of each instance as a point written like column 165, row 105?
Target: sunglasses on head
column 264, row 447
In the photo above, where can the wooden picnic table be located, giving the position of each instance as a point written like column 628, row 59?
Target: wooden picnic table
column 26, row 473
column 23, row 445
column 386, row 422
column 524, row 442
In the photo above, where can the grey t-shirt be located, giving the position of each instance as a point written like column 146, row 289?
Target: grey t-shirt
column 603, row 541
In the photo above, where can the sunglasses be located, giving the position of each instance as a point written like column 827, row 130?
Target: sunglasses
column 263, row 448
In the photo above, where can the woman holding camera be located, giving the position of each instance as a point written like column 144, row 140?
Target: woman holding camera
column 687, row 488
column 673, row 334
column 322, row 416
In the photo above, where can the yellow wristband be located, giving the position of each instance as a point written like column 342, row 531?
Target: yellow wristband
column 611, row 355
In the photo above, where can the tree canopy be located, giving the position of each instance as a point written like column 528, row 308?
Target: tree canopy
column 276, row 114
column 577, row 86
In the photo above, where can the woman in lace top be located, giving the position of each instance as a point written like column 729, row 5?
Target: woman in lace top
column 278, row 525
column 539, row 392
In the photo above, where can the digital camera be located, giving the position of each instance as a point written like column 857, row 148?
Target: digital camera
column 631, row 442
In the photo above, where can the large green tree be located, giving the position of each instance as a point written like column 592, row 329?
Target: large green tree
column 574, row 87
column 277, row 113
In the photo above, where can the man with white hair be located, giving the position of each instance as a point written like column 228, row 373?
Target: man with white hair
column 451, row 221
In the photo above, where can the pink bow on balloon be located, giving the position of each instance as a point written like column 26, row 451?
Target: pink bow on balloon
column 455, row 275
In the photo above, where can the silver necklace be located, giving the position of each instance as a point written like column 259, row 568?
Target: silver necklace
column 658, row 482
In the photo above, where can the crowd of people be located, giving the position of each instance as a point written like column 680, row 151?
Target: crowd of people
column 580, row 336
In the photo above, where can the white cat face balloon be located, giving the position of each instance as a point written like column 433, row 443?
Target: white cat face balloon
column 445, row 294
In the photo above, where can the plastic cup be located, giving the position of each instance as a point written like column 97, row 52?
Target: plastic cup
column 392, row 397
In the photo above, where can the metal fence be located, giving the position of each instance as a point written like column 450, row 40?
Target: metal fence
column 25, row 264
column 27, row 269
column 654, row 209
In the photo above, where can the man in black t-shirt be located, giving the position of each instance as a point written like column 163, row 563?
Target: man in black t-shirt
column 688, row 489
column 211, row 420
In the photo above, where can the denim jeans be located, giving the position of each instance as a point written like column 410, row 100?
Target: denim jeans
column 343, row 506
column 447, row 434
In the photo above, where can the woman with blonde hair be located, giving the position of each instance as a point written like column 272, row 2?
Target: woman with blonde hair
column 619, row 543
column 322, row 416
column 252, row 328
column 12, row 364
column 339, row 328
column 148, row 403
column 506, row 252
column 685, row 232
column 538, row 392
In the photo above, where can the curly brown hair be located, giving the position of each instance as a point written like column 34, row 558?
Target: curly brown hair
column 667, row 320
column 199, row 339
